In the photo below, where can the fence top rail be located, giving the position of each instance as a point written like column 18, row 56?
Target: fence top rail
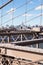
column 22, row 48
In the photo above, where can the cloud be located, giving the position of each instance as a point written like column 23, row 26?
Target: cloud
column 11, row 10
column 27, row 15
column 41, row 14
column 39, row 7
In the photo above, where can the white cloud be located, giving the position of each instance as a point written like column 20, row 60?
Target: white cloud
column 39, row 7
column 11, row 10
column 40, row 14
column 27, row 15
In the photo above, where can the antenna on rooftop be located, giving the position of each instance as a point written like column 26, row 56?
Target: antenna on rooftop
column 26, row 11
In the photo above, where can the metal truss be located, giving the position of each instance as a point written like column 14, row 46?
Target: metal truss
column 8, row 60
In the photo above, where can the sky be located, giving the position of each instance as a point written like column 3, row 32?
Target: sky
column 18, row 12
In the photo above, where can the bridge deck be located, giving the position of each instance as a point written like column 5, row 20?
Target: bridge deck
column 25, row 55
column 18, row 32
column 33, row 54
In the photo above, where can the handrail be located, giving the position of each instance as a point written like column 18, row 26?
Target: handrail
column 22, row 48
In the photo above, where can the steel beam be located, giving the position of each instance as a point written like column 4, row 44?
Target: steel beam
column 28, row 42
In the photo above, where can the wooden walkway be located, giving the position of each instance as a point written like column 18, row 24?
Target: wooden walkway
column 33, row 54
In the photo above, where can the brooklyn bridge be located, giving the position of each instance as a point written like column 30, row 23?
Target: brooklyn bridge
column 21, row 44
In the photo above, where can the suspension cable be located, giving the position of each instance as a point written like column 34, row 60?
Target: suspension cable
column 26, row 11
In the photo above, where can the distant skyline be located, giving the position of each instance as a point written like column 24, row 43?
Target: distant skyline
column 27, row 12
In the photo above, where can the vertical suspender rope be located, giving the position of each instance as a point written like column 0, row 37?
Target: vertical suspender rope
column 26, row 12
column 41, row 14
column 12, row 11
column 1, row 17
column 1, row 14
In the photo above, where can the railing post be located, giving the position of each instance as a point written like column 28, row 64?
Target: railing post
column 8, row 39
column 37, row 45
column 21, row 37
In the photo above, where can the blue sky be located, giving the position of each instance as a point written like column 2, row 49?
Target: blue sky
column 13, row 14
